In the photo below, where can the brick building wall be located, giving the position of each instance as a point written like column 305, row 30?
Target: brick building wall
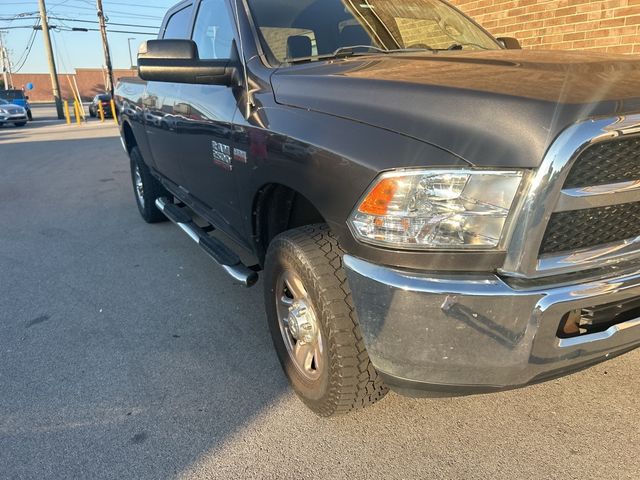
column 90, row 82
column 611, row 26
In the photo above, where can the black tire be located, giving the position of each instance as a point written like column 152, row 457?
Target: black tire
column 348, row 380
column 92, row 114
column 152, row 189
column 20, row 124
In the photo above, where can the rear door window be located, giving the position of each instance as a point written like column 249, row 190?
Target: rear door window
column 178, row 26
column 213, row 32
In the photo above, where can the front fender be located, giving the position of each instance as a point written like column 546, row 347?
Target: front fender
column 329, row 160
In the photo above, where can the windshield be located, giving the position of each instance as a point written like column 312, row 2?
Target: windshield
column 292, row 29
column 11, row 94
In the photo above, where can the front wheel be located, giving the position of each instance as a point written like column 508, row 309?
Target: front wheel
column 20, row 124
column 314, row 325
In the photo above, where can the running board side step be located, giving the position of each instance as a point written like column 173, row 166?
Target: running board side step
column 217, row 250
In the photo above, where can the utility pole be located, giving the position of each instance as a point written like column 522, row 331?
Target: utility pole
column 105, row 45
column 55, row 84
column 6, row 56
column 5, row 63
column 5, row 76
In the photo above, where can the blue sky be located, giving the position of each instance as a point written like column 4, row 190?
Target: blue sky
column 78, row 49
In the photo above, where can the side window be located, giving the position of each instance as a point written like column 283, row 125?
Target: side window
column 178, row 25
column 213, row 32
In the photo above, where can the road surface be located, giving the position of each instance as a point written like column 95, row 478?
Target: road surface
column 126, row 354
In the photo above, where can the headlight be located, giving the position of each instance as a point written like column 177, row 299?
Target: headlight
column 445, row 209
column 4, row 112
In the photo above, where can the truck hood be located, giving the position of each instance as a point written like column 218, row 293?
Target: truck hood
column 493, row 109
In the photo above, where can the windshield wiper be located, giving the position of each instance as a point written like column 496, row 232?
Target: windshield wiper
column 459, row 46
column 350, row 51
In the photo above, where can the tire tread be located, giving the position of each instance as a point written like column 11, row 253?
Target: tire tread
column 354, row 383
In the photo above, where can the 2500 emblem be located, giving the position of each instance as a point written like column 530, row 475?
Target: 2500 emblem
column 222, row 155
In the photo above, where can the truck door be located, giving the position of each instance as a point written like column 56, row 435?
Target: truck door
column 159, row 105
column 205, row 120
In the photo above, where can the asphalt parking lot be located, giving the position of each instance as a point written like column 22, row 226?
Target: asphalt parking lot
column 125, row 353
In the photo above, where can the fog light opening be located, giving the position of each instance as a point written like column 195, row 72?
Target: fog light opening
column 573, row 324
column 599, row 318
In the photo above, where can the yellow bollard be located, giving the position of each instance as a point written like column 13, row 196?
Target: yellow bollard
column 76, row 108
column 67, row 115
column 113, row 111
column 101, row 110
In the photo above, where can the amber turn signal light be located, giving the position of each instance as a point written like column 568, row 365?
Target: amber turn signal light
column 377, row 202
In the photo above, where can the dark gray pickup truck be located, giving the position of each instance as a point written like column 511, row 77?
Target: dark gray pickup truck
column 433, row 210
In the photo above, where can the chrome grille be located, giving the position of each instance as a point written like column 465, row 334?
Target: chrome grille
column 593, row 227
column 582, row 207
column 606, row 163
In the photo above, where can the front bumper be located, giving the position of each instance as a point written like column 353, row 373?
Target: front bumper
column 471, row 333
column 17, row 118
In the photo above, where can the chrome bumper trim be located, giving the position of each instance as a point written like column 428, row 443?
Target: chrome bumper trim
column 478, row 331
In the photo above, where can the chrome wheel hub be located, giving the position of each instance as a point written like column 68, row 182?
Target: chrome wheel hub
column 139, row 186
column 302, row 322
column 299, row 326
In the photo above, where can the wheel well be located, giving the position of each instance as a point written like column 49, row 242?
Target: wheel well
column 278, row 208
column 129, row 137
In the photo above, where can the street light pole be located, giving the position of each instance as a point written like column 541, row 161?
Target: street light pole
column 55, row 84
column 130, row 55
column 105, row 45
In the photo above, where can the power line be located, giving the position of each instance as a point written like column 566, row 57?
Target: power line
column 27, row 51
column 74, row 24
column 72, row 29
column 125, row 4
column 128, row 16
column 112, row 13
column 52, row 17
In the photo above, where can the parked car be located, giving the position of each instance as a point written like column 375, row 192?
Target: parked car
column 432, row 209
column 17, row 97
column 103, row 99
column 11, row 113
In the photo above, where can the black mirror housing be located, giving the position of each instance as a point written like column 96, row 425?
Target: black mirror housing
column 177, row 61
column 510, row 43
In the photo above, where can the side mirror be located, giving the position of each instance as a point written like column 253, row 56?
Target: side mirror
column 510, row 43
column 177, row 61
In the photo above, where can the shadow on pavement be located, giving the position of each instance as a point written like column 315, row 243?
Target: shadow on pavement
column 124, row 353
